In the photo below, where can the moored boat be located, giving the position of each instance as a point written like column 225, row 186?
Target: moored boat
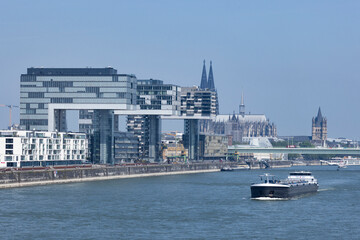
column 226, row 168
column 297, row 183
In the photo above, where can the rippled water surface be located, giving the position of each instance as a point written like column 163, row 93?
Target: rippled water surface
column 192, row 206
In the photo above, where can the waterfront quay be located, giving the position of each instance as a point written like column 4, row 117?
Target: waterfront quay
column 22, row 177
column 346, row 151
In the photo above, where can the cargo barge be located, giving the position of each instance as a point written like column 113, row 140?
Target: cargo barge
column 297, row 183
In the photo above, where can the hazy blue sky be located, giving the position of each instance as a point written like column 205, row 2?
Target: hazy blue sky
column 288, row 57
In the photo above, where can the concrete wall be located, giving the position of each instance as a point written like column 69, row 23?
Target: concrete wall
column 58, row 175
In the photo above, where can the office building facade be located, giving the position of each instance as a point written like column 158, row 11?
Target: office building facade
column 197, row 103
column 213, row 147
column 152, row 95
column 126, row 147
column 46, row 94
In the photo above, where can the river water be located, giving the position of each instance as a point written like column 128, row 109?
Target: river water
column 192, row 206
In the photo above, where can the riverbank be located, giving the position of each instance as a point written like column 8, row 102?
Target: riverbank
column 76, row 180
column 34, row 177
column 22, row 178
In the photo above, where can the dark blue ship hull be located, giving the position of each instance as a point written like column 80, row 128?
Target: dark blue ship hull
column 284, row 191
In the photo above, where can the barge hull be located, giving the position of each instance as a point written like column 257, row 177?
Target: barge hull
column 288, row 191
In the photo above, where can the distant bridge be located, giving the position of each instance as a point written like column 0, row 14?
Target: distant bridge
column 345, row 151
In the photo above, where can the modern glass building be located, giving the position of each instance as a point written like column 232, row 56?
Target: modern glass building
column 196, row 103
column 155, row 95
column 46, row 94
column 40, row 87
column 126, row 147
column 152, row 95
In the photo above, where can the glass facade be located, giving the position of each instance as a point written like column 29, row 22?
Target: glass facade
column 43, row 86
column 126, row 147
column 46, row 94
column 152, row 95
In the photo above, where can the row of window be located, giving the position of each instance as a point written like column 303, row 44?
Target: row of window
column 139, row 87
column 31, row 111
column 28, row 78
column 92, row 89
column 35, row 95
column 33, row 122
column 48, row 163
column 62, row 84
column 61, row 100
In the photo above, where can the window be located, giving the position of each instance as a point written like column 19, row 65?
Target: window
column 9, row 140
column 60, row 84
column 9, row 146
column 61, row 100
column 33, row 121
column 36, row 95
column 9, row 152
column 92, row 89
column 11, row 164
column 30, row 111
column 28, row 78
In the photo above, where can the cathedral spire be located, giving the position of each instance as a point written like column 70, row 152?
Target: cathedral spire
column 242, row 106
column 203, row 83
column 211, row 84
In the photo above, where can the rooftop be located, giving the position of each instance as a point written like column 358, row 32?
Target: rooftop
column 72, row 71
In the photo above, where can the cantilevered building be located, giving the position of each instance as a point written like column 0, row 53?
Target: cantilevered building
column 41, row 87
column 152, row 95
column 46, row 94
column 198, row 104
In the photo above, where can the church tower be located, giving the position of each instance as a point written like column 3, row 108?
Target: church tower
column 204, row 83
column 319, row 128
column 211, row 83
column 242, row 106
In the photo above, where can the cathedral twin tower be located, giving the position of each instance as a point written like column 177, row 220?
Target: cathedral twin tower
column 207, row 83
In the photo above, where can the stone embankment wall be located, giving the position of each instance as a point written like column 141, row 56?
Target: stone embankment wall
column 47, row 176
column 31, row 177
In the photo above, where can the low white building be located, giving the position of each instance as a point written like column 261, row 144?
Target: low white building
column 19, row 148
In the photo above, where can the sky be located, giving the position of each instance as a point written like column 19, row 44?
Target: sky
column 288, row 57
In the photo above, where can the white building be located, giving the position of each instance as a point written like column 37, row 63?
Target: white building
column 19, row 148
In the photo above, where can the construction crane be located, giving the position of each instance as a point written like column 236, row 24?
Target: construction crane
column 10, row 110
